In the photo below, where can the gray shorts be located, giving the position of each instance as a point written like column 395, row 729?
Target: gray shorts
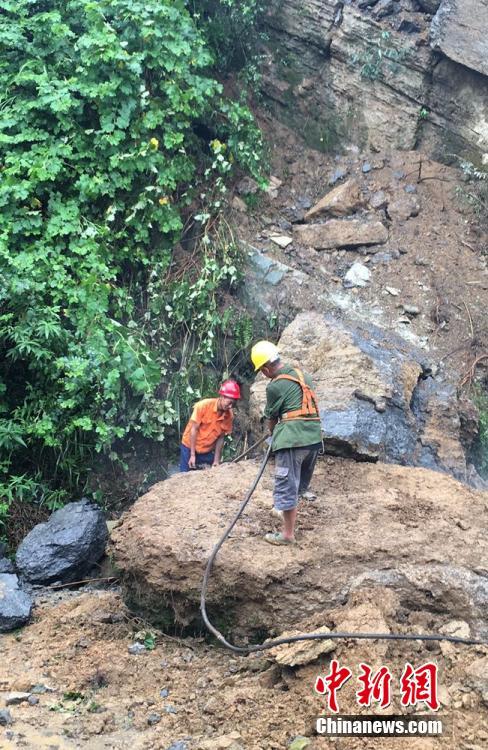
column 293, row 472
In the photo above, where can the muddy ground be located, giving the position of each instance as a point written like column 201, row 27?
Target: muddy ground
column 100, row 696
column 95, row 694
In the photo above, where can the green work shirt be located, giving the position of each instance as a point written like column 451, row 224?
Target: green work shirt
column 283, row 396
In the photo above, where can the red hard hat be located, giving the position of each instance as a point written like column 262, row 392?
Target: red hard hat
column 230, row 389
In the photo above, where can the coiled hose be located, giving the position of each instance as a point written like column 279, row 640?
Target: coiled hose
column 305, row 636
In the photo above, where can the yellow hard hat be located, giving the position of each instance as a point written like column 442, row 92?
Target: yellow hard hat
column 262, row 352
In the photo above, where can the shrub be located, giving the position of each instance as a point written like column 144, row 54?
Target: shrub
column 112, row 128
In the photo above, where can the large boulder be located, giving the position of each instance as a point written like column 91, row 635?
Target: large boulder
column 459, row 30
column 377, row 399
column 64, row 548
column 418, row 533
column 15, row 604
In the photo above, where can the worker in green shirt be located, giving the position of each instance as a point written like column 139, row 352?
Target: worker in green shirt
column 294, row 422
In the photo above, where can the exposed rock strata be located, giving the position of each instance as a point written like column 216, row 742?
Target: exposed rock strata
column 338, row 73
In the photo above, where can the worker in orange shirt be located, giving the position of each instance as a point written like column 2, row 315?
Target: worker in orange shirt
column 210, row 422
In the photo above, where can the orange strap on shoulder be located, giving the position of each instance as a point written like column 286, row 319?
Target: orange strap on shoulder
column 310, row 409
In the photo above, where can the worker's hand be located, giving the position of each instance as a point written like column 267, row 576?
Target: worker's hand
column 215, row 463
column 192, row 461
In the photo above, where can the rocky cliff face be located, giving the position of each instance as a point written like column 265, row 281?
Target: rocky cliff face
column 381, row 72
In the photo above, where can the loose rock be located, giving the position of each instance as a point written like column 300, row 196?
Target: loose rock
column 281, row 240
column 15, row 698
column 5, row 718
column 15, row 604
column 341, row 201
column 403, row 208
column 336, row 233
column 302, row 652
column 66, row 547
column 337, row 175
column 358, row 275
column 136, row 649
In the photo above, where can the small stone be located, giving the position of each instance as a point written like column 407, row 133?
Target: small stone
column 366, row 167
column 337, row 175
column 299, row 743
column 5, row 718
column 136, row 649
column 153, row 719
column 410, row 188
column 274, row 185
column 281, row 240
column 238, row 204
column 15, row 698
column 170, row 709
column 179, row 745
column 302, row 652
column 411, row 309
column 399, row 174
column 464, row 525
column 6, row 565
column 408, row 27
column 32, row 700
column 381, row 258
column 211, row 706
column 285, row 225
column 458, row 628
column 303, row 202
column 378, row 200
column 40, row 689
column 247, row 186
column 403, row 208
column 357, row 275
column 392, row 290
column 164, row 693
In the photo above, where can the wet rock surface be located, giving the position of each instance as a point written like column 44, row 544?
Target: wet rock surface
column 15, row 604
column 65, row 547
column 376, row 394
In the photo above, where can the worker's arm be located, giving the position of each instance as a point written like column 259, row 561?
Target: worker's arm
column 192, row 462
column 218, row 450
column 272, row 422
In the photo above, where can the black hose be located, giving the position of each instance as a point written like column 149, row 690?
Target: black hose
column 304, row 636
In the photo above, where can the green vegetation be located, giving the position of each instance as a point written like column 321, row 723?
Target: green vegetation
column 116, row 143
column 475, row 190
column 481, row 451
column 379, row 58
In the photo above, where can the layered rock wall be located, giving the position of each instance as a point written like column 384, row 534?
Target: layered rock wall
column 379, row 75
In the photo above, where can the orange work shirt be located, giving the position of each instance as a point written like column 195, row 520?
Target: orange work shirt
column 211, row 423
